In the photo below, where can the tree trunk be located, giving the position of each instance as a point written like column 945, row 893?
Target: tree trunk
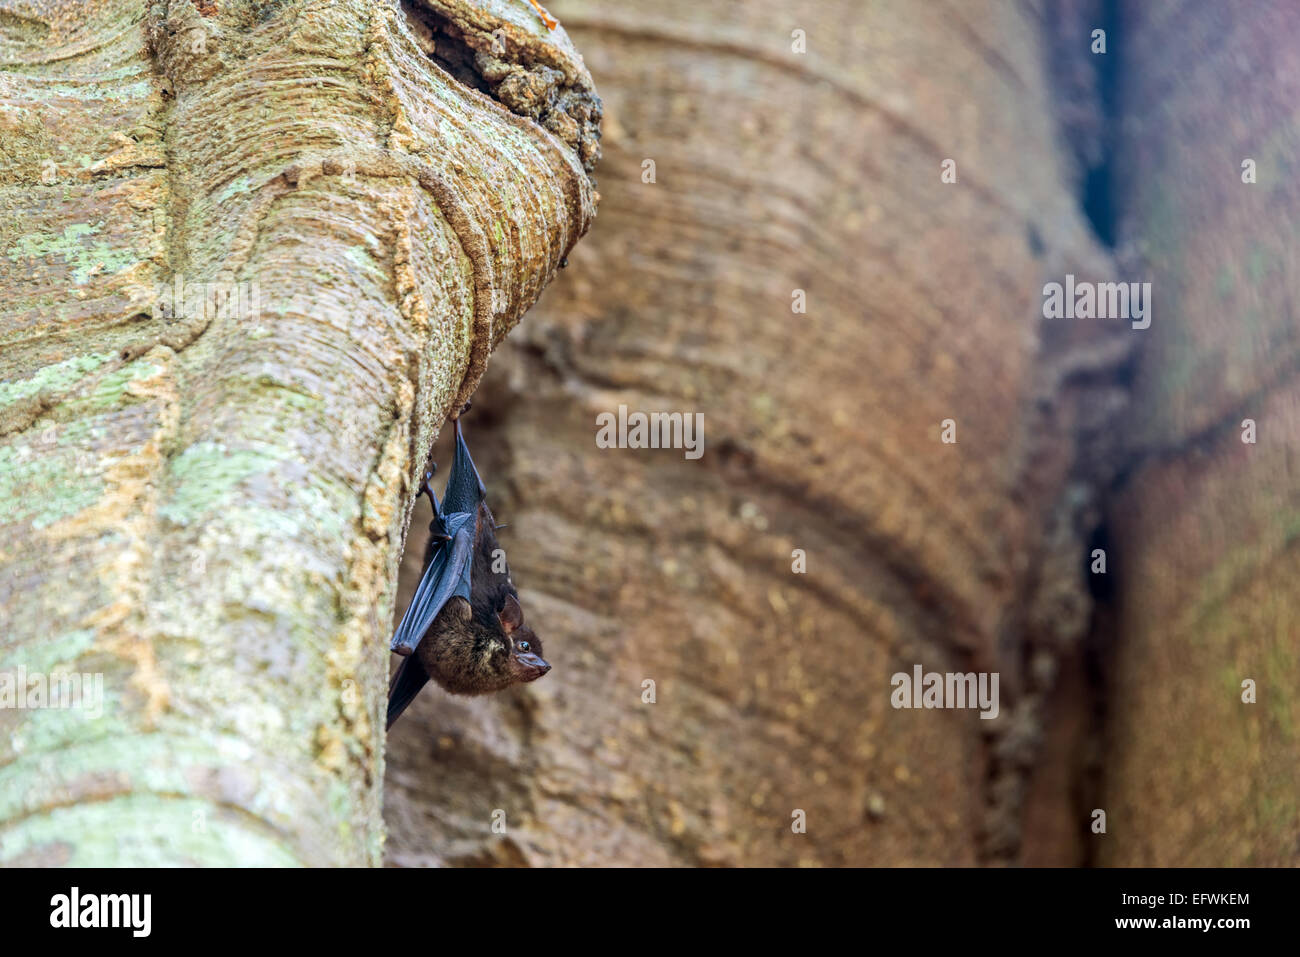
column 204, row 502
column 777, row 171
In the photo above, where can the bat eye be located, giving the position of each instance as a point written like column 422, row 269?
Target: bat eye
column 524, row 646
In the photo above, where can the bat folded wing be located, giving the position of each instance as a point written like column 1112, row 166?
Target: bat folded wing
column 406, row 684
column 446, row 576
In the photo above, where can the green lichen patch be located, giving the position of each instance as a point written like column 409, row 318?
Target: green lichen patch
column 164, row 832
column 60, row 651
column 43, row 487
column 207, row 473
column 58, row 377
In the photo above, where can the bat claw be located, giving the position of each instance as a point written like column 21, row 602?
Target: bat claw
column 426, row 487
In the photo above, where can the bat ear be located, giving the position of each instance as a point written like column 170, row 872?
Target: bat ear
column 512, row 616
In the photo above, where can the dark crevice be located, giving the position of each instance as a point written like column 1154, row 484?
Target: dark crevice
column 1086, row 89
column 501, row 69
column 1100, row 585
column 1099, row 645
column 444, row 43
column 1068, row 783
column 1098, row 194
column 1097, row 204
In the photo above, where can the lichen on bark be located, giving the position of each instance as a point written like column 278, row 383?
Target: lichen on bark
column 207, row 507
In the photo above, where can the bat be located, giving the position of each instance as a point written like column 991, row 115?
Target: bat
column 464, row 628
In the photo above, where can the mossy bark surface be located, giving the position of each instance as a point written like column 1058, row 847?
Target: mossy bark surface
column 206, row 506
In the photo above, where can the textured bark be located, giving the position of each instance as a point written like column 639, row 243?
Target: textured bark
column 1207, row 525
column 209, row 510
column 777, row 171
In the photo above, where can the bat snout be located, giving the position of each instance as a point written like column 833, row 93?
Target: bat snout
column 534, row 666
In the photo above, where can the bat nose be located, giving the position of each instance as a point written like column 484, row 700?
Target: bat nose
column 535, row 661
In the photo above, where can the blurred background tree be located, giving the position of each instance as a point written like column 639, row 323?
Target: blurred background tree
column 776, row 248
column 797, row 153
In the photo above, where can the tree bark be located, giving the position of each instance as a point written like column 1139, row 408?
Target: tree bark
column 206, row 506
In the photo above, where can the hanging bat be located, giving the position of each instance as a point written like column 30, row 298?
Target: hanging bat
column 464, row 628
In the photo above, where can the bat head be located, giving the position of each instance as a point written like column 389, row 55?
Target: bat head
column 525, row 662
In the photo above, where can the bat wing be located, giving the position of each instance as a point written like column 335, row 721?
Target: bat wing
column 464, row 485
column 446, row 576
column 406, row 684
